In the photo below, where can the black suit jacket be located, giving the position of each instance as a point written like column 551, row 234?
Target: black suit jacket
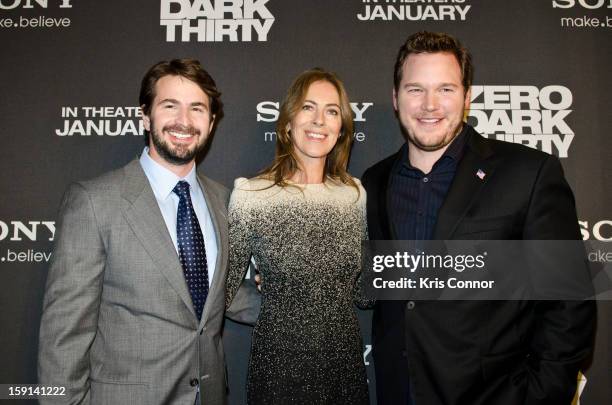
column 470, row 352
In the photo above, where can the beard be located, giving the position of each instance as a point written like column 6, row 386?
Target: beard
column 431, row 147
column 177, row 155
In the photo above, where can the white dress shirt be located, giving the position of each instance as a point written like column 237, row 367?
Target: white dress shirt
column 162, row 182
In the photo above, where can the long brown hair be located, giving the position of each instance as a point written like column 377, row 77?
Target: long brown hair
column 285, row 162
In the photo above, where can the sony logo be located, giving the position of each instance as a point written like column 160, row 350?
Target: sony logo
column 11, row 4
column 267, row 111
column 601, row 230
column 590, row 4
column 18, row 230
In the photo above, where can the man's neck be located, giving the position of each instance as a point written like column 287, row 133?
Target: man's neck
column 424, row 160
column 180, row 170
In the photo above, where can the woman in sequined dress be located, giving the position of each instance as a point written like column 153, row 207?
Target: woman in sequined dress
column 303, row 220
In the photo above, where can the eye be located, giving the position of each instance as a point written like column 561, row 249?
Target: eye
column 307, row 107
column 414, row 90
column 334, row 112
column 198, row 109
column 447, row 90
column 168, row 106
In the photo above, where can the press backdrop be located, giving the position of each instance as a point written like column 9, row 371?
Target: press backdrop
column 70, row 76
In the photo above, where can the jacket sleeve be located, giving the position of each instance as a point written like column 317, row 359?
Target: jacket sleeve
column 72, row 299
column 563, row 338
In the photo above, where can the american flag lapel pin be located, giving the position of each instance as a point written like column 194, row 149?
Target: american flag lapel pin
column 480, row 174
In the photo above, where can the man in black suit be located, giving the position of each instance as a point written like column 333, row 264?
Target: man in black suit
column 448, row 182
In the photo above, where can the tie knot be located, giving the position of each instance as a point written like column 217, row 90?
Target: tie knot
column 181, row 189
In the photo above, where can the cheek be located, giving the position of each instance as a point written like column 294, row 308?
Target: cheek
column 295, row 140
column 406, row 109
column 336, row 124
column 201, row 122
column 454, row 105
column 160, row 118
column 337, row 128
column 300, row 119
column 293, row 125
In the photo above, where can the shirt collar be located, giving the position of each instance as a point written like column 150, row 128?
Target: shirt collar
column 456, row 147
column 163, row 180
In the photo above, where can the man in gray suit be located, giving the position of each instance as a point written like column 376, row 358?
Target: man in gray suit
column 135, row 295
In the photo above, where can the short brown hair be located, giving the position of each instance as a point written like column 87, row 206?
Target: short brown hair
column 190, row 69
column 285, row 162
column 433, row 42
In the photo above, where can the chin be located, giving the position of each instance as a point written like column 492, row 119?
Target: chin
column 427, row 144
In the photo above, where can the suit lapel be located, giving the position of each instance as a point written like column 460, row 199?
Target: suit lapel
column 466, row 186
column 387, row 228
column 145, row 219
column 218, row 214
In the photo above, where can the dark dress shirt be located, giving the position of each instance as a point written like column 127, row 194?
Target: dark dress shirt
column 415, row 197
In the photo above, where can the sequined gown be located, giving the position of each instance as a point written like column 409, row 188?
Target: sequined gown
column 306, row 346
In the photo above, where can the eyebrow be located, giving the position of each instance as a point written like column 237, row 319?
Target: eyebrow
column 446, row 84
column 327, row 105
column 175, row 101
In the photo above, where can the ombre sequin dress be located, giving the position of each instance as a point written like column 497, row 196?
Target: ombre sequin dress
column 306, row 241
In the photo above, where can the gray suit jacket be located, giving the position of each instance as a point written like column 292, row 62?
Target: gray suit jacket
column 118, row 324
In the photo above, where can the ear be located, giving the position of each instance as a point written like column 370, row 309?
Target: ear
column 466, row 102
column 212, row 124
column 146, row 120
column 394, row 99
column 288, row 128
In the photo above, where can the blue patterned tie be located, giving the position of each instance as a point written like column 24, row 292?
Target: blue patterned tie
column 192, row 252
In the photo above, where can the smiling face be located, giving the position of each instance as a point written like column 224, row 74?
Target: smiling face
column 180, row 121
column 317, row 124
column 430, row 100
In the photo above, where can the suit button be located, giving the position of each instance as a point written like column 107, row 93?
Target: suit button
column 410, row 305
column 193, row 382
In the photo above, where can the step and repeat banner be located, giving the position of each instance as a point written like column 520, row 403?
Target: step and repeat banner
column 71, row 72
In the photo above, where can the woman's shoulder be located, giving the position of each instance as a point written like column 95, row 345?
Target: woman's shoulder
column 350, row 192
column 360, row 202
column 358, row 182
column 252, row 184
column 362, row 191
column 251, row 189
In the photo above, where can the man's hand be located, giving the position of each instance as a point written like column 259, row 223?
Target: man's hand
column 258, row 281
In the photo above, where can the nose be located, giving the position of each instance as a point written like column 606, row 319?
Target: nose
column 182, row 116
column 319, row 117
column 430, row 103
